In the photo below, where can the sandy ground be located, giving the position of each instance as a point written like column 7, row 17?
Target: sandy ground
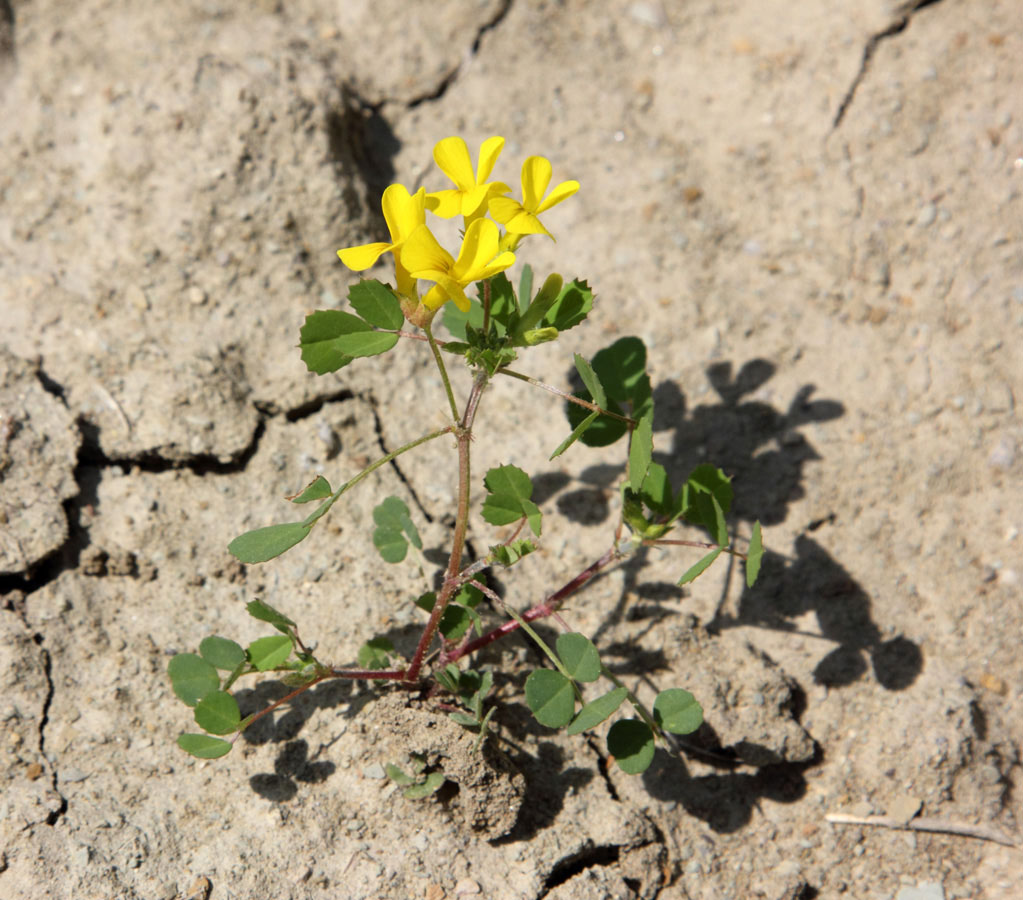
column 813, row 216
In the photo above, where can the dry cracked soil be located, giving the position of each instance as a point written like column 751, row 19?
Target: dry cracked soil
column 811, row 213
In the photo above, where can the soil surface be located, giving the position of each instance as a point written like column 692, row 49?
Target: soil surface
column 812, row 214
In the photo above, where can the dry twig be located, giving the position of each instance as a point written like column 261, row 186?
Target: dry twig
column 925, row 824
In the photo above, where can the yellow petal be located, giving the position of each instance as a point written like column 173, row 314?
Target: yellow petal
column 363, row 256
column 489, row 152
column 479, row 246
column 422, row 253
column 526, row 223
column 452, row 158
column 445, row 204
column 504, row 209
column 497, row 264
column 402, row 211
column 562, row 192
column 536, row 175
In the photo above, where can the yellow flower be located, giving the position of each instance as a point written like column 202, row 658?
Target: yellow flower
column 523, row 218
column 471, row 193
column 478, row 259
column 403, row 213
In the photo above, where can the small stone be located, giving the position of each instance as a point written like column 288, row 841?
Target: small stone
column 137, row 298
column 927, row 216
column 72, row 775
column 925, row 890
column 994, row 684
column 434, row 892
column 33, row 771
column 196, row 295
column 904, row 808
column 466, row 887
column 375, row 771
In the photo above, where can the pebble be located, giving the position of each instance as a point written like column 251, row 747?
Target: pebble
column 374, row 771
column 927, row 216
column 466, row 887
column 925, row 890
column 196, row 295
column 71, row 775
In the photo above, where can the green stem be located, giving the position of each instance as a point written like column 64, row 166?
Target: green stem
column 634, row 700
column 437, row 358
column 571, row 398
column 372, row 467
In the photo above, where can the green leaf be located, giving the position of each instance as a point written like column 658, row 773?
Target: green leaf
column 504, row 307
column 525, row 286
column 266, row 543
column 641, row 449
column 318, row 489
column 694, row 572
column 534, row 315
column 502, row 509
column 318, row 337
column 656, row 492
column 677, row 711
column 392, row 513
column 621, row 369
column 218, row 713
column 464, row 719
column 592, row 714
column 631, row 743
column 577, row 433
column 551, row 697
column 509, row 554
column 579, row 656
column 533, row 516
column 222, row 653
column 430, row 786
column 203, row 746
column 754, row 555
column 455, row 621
column 376, row 653
column 709, row 479
column 266, row 613
column 376, row 303
column 509, row 480
column 269, row 652
column 397, row 775
column 391, row 544
column 369, row 343
column 573, row 305
column 192, row 678
column 591, row 380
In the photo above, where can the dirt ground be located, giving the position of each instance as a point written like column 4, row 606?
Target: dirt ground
column 811, row 213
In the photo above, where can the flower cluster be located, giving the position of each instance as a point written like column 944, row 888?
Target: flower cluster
column 485, row 250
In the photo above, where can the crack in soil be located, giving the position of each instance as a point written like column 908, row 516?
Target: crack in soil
column 905, row 12
column 44, row 718
column 450, row 77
